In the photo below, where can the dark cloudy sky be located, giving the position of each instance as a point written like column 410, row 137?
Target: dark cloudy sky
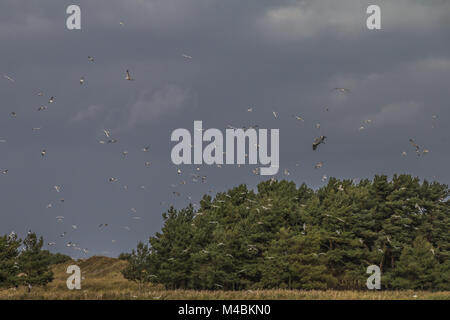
column 283, row 56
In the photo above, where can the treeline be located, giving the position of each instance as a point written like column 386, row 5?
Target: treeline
column 299, row 238
column 23, row 262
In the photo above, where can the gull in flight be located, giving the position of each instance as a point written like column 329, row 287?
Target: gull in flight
column 128, row 76
column 415, row 145
column 186, row 56
column 318, row 141
column 8, row 78
column 299, row 118
column 342, row 90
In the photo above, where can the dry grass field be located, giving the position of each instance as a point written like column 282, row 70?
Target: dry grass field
column 102, row 280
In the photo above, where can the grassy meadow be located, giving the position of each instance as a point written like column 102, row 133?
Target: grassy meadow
column 102, row 280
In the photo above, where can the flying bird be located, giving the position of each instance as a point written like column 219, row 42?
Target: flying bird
column 8, row 78
column 128, row 76
column 317, row 141
column 319, row 165
column 342, row 90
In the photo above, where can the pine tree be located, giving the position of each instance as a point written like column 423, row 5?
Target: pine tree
column 282, row 236
column 34, row 263
column 417, row 267
column 9, row 269
column 137, row 268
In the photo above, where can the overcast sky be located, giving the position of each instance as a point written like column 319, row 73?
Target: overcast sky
column 282, row 56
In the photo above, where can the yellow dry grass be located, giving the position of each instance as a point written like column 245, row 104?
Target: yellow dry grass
column 102, row 280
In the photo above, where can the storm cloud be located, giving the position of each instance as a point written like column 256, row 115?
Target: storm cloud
column 282, row 56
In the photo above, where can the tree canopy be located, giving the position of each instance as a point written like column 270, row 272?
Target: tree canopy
column 282, row 236
column 24, row 262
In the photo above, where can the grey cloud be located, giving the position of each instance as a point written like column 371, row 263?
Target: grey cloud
column 283, row 56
